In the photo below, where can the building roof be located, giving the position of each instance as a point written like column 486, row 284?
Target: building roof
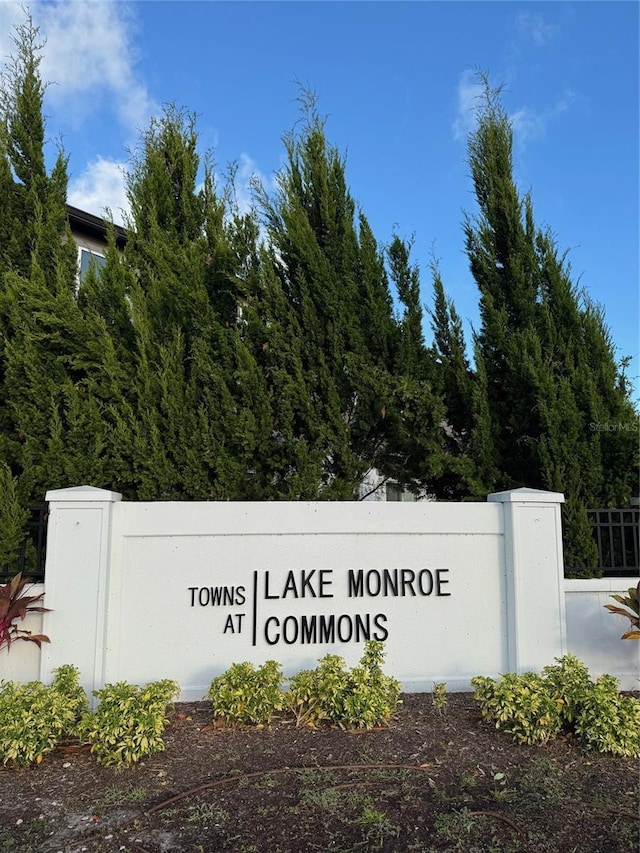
column 92, row 226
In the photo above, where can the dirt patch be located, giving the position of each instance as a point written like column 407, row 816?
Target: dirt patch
column 427, row 782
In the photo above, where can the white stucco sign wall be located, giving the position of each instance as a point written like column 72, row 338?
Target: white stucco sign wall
column 142, row 591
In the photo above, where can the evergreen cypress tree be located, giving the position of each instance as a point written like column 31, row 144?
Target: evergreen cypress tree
column 50, row 408
column 13, row 519
column 32, row 201
column 311, row 229
column 454, row 373
column 553, row 387
column 199, row 409
column 291, row 459
column 375, row 304
column 419, row 439
column 333, row 277
column 483, row 445
column 456, row 384
column 412, row 355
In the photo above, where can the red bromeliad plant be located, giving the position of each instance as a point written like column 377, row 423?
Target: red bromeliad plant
column 632, row 601
column 15, row 605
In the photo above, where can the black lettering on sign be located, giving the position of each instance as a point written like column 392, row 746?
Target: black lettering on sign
column 306, row 583
column 425, row 582
column 393, row 582
column 271, row 633
column 379, row 620
column 217, row 596
column 408, row 577
column 356, row 583
column 267, row 594
column 440, row 581
column 345, row 629
column 233, row 625
column 325, row 629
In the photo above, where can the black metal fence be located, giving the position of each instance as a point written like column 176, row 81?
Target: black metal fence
column 617, row 535
column 34, row 548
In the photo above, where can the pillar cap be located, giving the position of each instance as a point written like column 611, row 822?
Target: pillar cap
column 82, row 493
column 525, row 495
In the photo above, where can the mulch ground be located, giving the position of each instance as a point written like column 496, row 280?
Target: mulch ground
column 427, row 782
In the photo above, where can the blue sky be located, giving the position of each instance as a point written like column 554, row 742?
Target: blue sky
column 396, row 82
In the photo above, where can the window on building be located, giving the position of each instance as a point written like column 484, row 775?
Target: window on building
column 90, row 260
column 396, row 492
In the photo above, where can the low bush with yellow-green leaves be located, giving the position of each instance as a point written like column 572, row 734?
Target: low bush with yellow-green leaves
column 360, row 698
column 534, row 708
column 315, row 695
column 127, row 725
column 129, row 722
column 520, row 705
column 244, row 694
column 439, row 697
column 568, row 683
column 608, row 721
column 34, row 717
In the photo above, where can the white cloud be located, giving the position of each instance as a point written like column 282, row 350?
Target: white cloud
column 89, row 55
column 533, row 28
column 527, row 123
column 530, row 124
column 470, row 91
column 10, row 16
column 101, row 186
column 564, row 101
column 246, row 171
column 88, row 58
column 90, row 62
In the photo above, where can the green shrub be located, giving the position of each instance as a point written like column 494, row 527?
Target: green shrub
column 34, row 717
column 568, row 683
column 363, row 697
column 65, row 682
column 534, row 708
column 609, row 722
column 129, row 722
column 316, row 694
column 31, row 721
column 520, row 705
column 371, row 696
column 439, row 696
column 244, row 694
